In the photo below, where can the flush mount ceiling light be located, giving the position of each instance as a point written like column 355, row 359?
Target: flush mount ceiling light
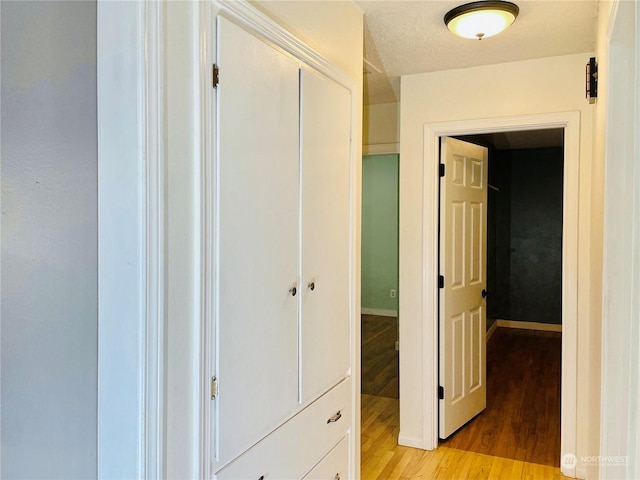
column 478, row 20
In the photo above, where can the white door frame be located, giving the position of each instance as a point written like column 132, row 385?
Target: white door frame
column 131, row 226
column 570, row 122
column 620, row 390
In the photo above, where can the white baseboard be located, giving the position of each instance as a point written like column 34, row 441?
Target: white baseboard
column 409, row 441
column 379, row 312
column 492, row 329
column 544, row 327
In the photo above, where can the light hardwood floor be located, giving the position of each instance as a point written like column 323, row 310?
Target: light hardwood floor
column 521, row 421
column 384, row 459
column 522, row 418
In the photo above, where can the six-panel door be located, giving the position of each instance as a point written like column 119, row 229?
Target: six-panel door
column 463, row 235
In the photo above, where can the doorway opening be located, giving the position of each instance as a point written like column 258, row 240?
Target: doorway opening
column 379, row 273
column 419, row 373
column 379, row 299
column 523, row 304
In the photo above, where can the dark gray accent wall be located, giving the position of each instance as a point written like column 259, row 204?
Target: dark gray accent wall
column 49, row 318
column 524, row 269
column 498, row 239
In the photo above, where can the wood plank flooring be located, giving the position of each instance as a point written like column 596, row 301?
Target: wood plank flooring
column 379, row 356
column 384, row 459
column 517, row 437
column 522, row 419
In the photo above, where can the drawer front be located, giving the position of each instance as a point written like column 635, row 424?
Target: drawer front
column 335, row 466
column 290, row 451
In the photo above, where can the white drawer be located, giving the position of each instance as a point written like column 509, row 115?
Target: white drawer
column 335, row 466
column 291, row 450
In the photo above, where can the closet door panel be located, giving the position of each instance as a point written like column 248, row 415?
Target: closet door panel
column 257, row 239
column 326, row 120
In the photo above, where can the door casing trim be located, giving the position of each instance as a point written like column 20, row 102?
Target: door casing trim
column 570, row 122
column 131, row 240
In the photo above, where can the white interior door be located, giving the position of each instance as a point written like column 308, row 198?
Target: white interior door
column 463, row 219
column 257, row 182
column 326, row 145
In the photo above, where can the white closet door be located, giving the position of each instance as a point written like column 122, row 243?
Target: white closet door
column 257, row 233
column 326, row 120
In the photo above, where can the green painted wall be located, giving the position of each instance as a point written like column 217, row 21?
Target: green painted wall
column 379, row 231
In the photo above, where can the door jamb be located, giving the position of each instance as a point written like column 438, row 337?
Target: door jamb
column 570, row 122
column 131, row 253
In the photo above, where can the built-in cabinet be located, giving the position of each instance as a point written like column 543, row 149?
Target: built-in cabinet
column 282, row 259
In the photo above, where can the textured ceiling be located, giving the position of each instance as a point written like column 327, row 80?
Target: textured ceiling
column 404, row 37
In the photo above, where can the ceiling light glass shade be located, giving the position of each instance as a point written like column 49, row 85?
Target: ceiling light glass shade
column 478, row 20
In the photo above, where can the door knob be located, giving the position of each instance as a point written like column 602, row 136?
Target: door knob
column 484, row 293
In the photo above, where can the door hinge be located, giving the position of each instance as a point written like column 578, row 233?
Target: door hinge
column 440, row 281
column 440, row 392
column 214, row 388
column 216, row 76
column 442, row 169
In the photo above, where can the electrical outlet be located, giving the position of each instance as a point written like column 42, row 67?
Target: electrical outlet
column 392, row 293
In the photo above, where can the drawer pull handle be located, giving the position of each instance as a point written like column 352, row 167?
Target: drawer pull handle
column 261, row 477
column 312, row 286
column 292, row 291
column 335, row 418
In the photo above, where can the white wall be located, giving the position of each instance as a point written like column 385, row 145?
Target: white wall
column 539, row 86
column 49, row 240
column 331, row 27
column 381, row 128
